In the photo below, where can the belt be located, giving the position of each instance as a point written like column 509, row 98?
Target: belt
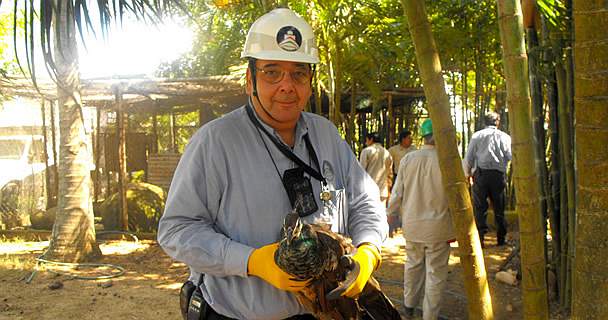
column 212, row 314
column 488, row 170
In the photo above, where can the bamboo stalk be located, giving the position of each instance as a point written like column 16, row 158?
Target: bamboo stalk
column 534, row 284
column 474, row 272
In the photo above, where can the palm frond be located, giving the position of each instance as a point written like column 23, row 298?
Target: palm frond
column 77, row 11
column 553, row 10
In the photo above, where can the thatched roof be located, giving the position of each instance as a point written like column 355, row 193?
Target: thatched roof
column 148, row 95
column 159, row 95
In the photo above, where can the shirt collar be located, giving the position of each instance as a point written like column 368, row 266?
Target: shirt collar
column 427, row 146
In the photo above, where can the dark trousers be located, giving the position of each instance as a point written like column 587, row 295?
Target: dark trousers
column 489, row 183
column 210, row 314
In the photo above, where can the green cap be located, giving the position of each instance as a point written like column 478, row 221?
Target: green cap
column 426, row 128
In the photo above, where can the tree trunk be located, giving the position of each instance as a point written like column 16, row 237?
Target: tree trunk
column 73, row 237
column 527, row 189
column 590, row 278
column 474, row 271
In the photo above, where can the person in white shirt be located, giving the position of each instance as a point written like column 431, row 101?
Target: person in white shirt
column 378, row 163
column 402, row 148
column 419, row 197
column 487, row 157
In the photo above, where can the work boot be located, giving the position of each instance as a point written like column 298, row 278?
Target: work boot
column 408, row 312
column 500, row 240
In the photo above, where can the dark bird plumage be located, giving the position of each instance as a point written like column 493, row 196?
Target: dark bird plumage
column 313, row 251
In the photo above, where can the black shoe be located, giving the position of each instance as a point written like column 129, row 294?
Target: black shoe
column 500, row 241
column 408, row 312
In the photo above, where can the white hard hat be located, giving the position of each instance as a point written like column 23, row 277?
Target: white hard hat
column 281, row 35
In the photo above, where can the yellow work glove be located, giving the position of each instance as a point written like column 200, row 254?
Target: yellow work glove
column 368, row 258
column 261, row 264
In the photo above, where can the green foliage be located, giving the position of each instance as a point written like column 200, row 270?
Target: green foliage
column 360, row 42
column 145, row 203
column 8, row 63
column 186, row 123
column 554, row 11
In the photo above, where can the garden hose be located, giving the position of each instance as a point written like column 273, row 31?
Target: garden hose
column 121, row 270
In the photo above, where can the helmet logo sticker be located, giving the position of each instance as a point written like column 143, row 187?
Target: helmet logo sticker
column 289, row 38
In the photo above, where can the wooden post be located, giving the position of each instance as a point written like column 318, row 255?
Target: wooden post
column 172, row 132
column 155, row 131
column 363, row 130
column 55, row 161
column 401, row 117
column 352, row 122
column 47, row 172
column 122, row 160
column 97, row 153
column 390, row 122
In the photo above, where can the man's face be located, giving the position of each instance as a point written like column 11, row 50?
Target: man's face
column 406, row 141
column 283, row 89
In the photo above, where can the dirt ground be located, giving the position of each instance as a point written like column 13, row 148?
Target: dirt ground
column 150, row 285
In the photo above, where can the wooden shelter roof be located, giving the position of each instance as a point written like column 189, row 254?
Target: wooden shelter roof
column 149, row 95
column 161, row 95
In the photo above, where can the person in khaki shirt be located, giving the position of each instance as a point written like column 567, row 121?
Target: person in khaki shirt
column 378, row 163
column 401, row 149
column 418, row 196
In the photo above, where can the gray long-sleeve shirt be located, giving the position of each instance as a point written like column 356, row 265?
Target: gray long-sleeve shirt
column 489, row 149
column 226, row 199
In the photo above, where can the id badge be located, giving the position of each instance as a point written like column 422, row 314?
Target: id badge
column 300, row 192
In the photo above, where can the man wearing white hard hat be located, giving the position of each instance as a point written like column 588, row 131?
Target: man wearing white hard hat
column 241, row 174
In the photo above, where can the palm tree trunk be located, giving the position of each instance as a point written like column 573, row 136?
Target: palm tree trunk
column 73, row 237
column 475, row 277
column 527, row 189
column 590, row 278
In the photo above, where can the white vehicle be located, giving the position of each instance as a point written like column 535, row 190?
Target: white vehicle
column 22, row 178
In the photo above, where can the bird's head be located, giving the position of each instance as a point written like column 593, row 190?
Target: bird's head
column 291, row 227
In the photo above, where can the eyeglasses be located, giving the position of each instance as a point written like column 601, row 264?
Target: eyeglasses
column 275, row 75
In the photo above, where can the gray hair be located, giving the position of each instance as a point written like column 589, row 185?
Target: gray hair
column 491, row 118
column 429, row 139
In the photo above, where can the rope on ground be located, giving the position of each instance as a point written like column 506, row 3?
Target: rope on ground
column 40, row 261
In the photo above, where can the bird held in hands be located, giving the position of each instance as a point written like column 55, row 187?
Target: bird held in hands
column 313, row 252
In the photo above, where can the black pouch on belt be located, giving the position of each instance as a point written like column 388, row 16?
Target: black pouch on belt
column 191, row 300
column 184, row 297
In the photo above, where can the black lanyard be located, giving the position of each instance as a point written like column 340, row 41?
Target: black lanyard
column 287, row 151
